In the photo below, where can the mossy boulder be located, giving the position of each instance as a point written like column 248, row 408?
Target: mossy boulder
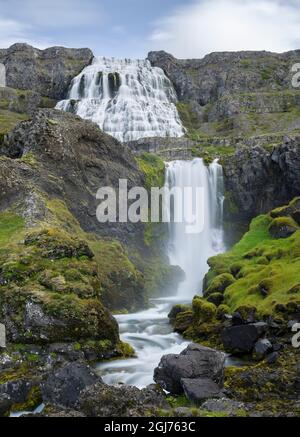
column 216, row 298
column 219, row 284
column 183, row 321
column 283, row 227
column 203, row 311
column 176, row 310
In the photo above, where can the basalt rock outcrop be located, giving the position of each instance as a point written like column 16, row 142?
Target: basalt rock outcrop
column 259, row 178
column 48, row 72
column 219, row 74
column 70, row 159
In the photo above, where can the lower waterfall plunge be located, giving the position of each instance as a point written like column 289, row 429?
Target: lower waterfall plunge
column 191, row 251
column 149, row 332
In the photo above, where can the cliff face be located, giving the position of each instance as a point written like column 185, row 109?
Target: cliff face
column 218, row 74
column 258, row 179
column 48, row 72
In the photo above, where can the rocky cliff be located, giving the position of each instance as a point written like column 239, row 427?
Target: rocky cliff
column 48, row 72
column 234, row 92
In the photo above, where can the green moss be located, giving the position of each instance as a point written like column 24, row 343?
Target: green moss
column 9, row 119
column 34, row 399
column 281, row 227
column 219, row 284
column 203, row 311
column 29, row 159
column 10, row 226
column 265, row 269
column 154, row 169
column 188, row 117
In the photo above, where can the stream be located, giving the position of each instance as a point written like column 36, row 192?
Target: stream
column 149, row 331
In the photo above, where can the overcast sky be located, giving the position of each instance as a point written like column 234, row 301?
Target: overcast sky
column 131, row 28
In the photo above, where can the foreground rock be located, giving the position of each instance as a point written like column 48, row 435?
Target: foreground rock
column 102, row 400
column 63, row 388
column 242, row 338
column 194, row 362
column 199, row 389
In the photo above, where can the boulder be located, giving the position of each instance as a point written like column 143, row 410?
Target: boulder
column 63, row 387
column 195, row 361
column 262, row 347
column 14, row 392
column 241, row 339
column 199, row 389
column 101, row 400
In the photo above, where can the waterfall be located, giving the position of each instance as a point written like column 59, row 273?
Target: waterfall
column 2, row 75
column 128, row 99
column 191, row 251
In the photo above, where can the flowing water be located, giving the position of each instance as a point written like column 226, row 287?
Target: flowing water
column 149, row 331
column 129, row 99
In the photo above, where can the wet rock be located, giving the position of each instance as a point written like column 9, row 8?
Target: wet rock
column 262, row 347
column 195, row 361
column 101, row 400
column 199, row 389
column 241, row 339
column 63, row 387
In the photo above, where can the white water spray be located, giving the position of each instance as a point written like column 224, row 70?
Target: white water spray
column 128, row 99
column 191, row 251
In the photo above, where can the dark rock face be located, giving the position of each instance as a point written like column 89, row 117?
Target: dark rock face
column 14, row 392
column 242, row 338
column 63, row 388
column 195, row 361
column 48, row 72
column 259, row 180
column 76, row 159
column 218, row 74
column 199, row 389
column 102, row 400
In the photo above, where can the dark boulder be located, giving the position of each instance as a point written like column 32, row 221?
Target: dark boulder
column 200, row 389
column 241, row 339
column 262, row 347
column 63, row 387
column 195, row 361
column 14, row 392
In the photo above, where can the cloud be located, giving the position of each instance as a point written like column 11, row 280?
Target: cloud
column 55, row 13
column 12, row 31
column 206, row 26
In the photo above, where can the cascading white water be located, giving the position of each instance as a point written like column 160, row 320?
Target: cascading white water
column 191, row 251
column 149, row 331
column 128, row 99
